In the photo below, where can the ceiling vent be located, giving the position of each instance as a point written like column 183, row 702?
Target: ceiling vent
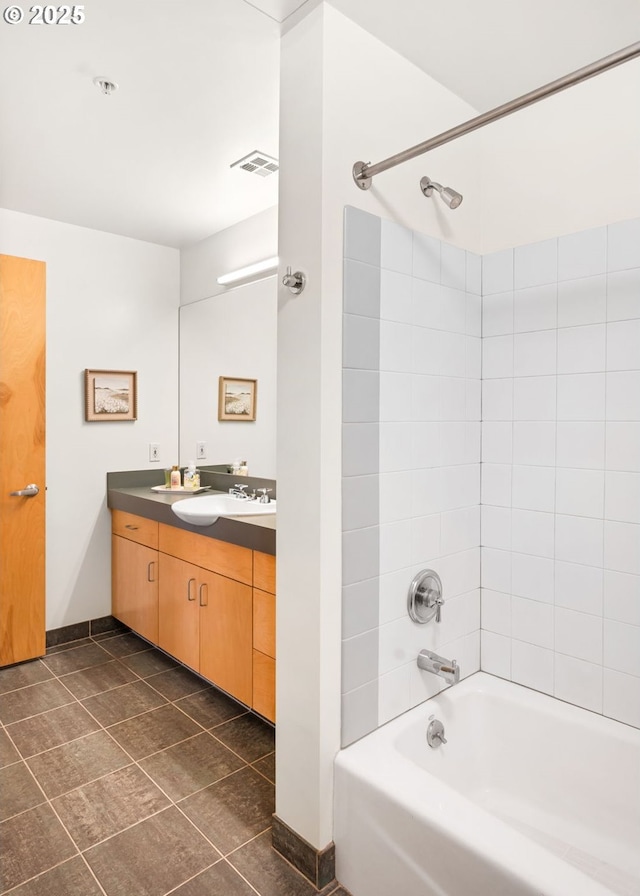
column 257, row 163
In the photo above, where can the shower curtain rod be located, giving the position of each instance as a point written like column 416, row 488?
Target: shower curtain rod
column 364, row 172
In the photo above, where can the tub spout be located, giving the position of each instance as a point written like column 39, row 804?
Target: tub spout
column 447, row 669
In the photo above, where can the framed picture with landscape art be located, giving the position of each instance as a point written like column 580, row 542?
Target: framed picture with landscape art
column 237, row 399
column 110, row 395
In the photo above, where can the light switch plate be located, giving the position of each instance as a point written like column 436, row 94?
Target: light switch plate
column 201, row 450
column 154, row 452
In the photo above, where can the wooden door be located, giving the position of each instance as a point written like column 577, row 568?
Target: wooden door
column 178, row 610
column 22, row 458
column 226, row 649
column 134, row 586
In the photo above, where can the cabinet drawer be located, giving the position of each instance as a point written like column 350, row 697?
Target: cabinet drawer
column 226, row 559
column 135, row 528
column 264, row 572
column 264, row 622
column 264, row 685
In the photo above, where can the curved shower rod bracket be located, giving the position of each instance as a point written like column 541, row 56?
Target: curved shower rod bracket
column 364, row 172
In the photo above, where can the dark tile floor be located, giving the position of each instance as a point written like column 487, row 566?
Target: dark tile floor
column 122, row 773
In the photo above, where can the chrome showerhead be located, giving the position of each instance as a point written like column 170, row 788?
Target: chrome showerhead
column 449, row 196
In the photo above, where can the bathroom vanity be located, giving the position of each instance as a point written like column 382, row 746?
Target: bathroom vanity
column 207, row 601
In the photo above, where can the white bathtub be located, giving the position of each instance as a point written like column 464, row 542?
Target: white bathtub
column 528, row 796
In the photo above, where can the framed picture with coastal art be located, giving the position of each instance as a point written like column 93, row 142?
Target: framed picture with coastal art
column 237, row 399
column 110, row 395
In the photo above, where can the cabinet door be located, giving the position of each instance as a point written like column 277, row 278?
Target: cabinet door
column 226, row 650
column 134, row 586
column 178, row 601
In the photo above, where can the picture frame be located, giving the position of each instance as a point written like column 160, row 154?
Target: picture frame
column 237, row 399
column 110, row 395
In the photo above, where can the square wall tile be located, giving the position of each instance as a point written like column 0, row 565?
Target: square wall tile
column 623, row 447
column 534, row 488
column 360, row 555
column 361, row 342
column 394, row 450
column 622, row 547
column 582, row 301
column 359, row 660
column 578, row 682
column 360, row 396
column 579, row 540
column 580, row 492
column 622, row 497
column 360, row 607
column 395, row 546
column 623, row 295
column 581, row 396
column 578, row 635
column 495, row 654
column 579, row 587
column 495, row 611
column 495, row 570
column 497, row 399
column 497, row 272
column 396, row 247
column 425, row 394
column 582, row 254
column 534, row 354
column 581, row 445
column 534, row 444
column 532, row 621
column 622, row 647
column 533, row 532
column 394, row 695
column 532, row 666
column 360, row 447
column 623, row 395
column 532, row 577
column 536, row 263
column 395, row 401
column 360, row 502
column 359, row 712
column 395, row 347
column 497, row 357
column 623, row 345
column 624, row 245
column 535, row 308
column 362, row 236
column 622, row 597
column 396, row 496
column 496, row 527
column 361, row 288
column 497, row 314
column 582, row 349
column 622, row 697
column 496, row 484
column 497, row 443
column 534, row 398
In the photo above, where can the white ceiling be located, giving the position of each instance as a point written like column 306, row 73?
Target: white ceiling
column 198, row 89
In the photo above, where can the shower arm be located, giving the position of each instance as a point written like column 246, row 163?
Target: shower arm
column 364, row 172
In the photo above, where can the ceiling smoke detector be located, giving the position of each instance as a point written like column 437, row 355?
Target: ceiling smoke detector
column 106, row 86
column 257, row 163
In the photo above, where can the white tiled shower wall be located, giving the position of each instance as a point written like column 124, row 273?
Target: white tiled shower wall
column 561, row 468
column 560, row 323
column 411, row 462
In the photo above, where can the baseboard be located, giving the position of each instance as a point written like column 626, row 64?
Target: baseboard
column 318, row 866
column 79, row 630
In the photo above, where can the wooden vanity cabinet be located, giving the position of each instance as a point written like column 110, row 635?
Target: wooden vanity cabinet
column 206, row 616
column 134, row 573
column 264, row 634
column 208, row 603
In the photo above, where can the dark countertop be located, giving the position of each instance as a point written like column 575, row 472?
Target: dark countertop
column 257, row 533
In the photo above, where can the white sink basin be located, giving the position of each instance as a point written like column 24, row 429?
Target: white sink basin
column 205, row 511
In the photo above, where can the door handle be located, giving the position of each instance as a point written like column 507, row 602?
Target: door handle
column 29, row 491
column 189, row 589
column 206, row 591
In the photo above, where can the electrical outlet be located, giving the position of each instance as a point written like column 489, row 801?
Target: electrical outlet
column 154, row 452
column 201, row 450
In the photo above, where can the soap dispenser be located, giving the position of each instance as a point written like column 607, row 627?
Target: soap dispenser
column 191, row 476
column 175, row 476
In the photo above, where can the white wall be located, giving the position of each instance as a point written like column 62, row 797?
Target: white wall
column 344, row 97
column 566, row 164
column 230, row 335
column 111, row 304
column 246, row 242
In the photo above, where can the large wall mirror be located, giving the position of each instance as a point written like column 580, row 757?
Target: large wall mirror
column 230, row 335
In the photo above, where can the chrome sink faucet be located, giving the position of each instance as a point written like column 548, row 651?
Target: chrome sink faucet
column 447, row 669
column 239, row 491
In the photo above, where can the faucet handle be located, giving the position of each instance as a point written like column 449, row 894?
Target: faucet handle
column 265, row 499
